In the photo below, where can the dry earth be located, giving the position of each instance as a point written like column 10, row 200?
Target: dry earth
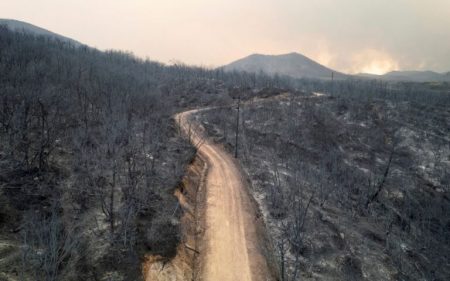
column 234, row 244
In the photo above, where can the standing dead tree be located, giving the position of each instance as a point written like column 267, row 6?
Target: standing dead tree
column 49, row 245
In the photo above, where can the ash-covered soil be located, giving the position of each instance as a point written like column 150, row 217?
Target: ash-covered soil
column 351, row 189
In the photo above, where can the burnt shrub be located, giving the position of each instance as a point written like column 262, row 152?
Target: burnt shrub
column 162, row 237
column 351, row 268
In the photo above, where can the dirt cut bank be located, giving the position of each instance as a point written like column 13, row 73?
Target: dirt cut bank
column 184, row 266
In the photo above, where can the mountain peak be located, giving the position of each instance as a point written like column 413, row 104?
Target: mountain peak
column 292, row 54
column 291, row 64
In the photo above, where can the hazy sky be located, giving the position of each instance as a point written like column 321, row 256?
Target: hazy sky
column 348, row 35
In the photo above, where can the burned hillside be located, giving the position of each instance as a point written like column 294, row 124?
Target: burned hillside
column 352, row 187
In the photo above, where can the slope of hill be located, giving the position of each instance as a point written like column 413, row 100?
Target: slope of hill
column 90, row 155
column 293, row 64
column 20, row 26
column 351, row 188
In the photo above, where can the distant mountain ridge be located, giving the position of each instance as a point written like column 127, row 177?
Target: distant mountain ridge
column 20, row 26
column 299, row 66
column 292, row 64
column 417, row 76
column 411, row 76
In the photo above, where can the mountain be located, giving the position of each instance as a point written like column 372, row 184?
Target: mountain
column 20, row 26
column 300, row 66
column 417, row 76
column 293, row 64
column 410, row 76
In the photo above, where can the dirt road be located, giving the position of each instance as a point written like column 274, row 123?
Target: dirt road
column 233, row 250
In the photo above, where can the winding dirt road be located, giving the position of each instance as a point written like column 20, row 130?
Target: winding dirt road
column 233, row 250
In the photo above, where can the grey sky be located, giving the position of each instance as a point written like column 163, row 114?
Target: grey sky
column 348, row 35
